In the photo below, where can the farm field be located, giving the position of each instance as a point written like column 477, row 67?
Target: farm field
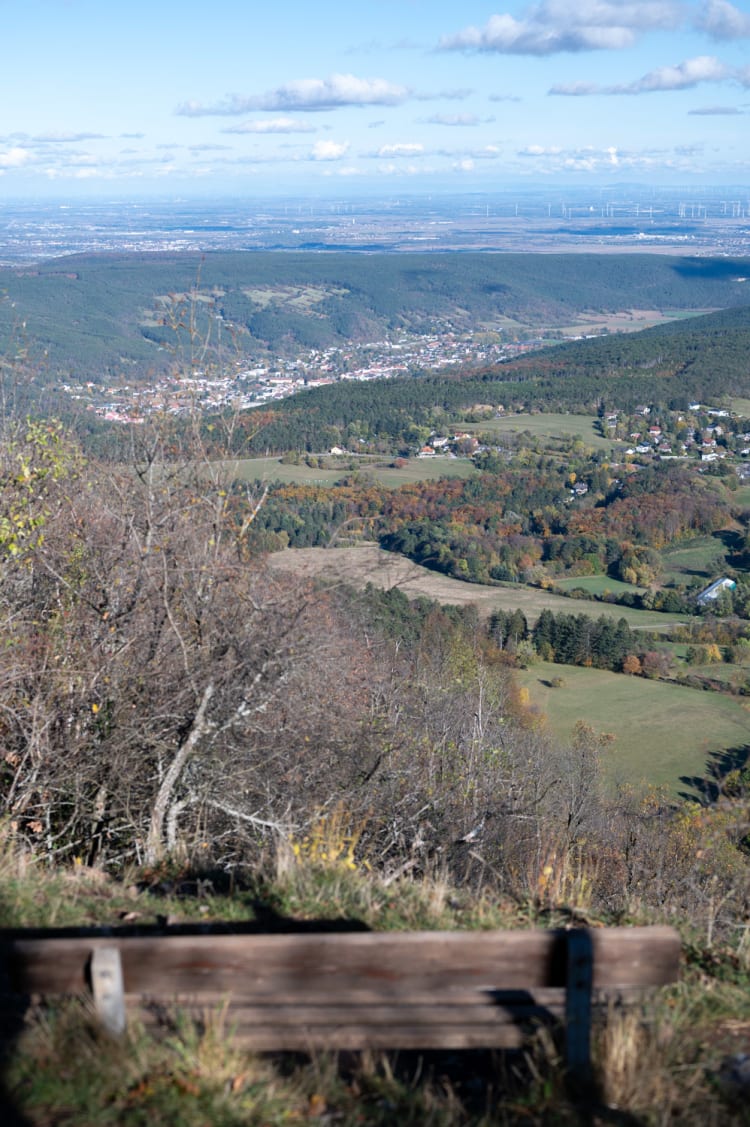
column 370, row 564
column 598, row 585
column 702, row 558
column 422, row 469
column 662, row 731
column 548, row 426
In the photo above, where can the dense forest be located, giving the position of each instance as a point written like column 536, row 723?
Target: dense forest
column 104, row 315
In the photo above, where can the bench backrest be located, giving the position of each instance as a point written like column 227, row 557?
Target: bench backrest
column 352, row 989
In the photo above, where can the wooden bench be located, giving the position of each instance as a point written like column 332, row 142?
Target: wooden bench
column 350, row 990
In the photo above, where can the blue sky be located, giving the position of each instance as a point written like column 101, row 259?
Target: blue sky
column 374, row 96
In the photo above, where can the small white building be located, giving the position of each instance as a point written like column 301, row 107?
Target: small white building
column 712, row 592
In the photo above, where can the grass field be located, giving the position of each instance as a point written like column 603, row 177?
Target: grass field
column 741, row 497
column 741, row 407
column 598, row 585
column 550, row 427
column 661, row 731
column 370, row 564
column 702, row 558
column 422, row 469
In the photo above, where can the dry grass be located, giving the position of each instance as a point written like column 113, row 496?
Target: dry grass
column 370, row 564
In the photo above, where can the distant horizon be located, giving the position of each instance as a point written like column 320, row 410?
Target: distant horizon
column 330, row 191
column 543, row 218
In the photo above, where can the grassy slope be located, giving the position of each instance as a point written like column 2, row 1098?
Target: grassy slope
column 598, row 585
column 662, row 731
column 549, row 425
column 369, row 564
column 704, row 558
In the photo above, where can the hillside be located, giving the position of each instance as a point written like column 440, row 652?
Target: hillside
column 99, row 314
column 702, row 357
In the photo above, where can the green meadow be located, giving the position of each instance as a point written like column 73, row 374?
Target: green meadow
column 702, row 558
column 548, row 427
column 661, row 731
column 598, row 585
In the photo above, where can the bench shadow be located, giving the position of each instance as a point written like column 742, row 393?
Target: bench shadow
column 711, row 786
column 12, row 1023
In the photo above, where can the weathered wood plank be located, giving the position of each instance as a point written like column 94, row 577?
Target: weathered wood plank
column 366, row 966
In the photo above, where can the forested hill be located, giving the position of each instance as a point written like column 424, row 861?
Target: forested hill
column 696, row 358
column 703, row 358
column 104, row 313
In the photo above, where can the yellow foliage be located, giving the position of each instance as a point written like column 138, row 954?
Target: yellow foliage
column 331, row 841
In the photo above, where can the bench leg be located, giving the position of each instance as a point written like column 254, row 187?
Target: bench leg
column 580, row 967
column 107, row 989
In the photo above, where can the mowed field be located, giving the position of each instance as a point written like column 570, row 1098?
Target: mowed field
column 370, row 564
column 598, row 585
column 704, row 558
column 661, row 731
column 416, row 469
column 549, row 428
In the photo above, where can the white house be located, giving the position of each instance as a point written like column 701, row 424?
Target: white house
column 708, row 594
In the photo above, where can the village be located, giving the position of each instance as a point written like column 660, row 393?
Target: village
column 251, row 382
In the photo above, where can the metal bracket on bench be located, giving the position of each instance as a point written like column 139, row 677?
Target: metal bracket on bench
column 107, row 989
column 579, row 985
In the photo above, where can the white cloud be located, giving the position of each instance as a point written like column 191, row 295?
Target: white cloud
column 455, row 94
column 273, row 125
column 465, row 165
column 466, row 119
column 576, row 89
column 402, row 150
column 60, row 138
column 553, row 160
column 566, row 25
column 329, row 150
column 345, row 170
column 716, row 111
column 307, row 94
column 539, row 151
column 402, row 170
column 14, row 158
column 704, row 68
column 721, row 20
column 683, row 76
column 488, row 152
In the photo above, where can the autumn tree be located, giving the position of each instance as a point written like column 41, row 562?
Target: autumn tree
column 159, row 682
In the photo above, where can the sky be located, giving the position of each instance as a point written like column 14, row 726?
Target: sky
column 155, row 97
